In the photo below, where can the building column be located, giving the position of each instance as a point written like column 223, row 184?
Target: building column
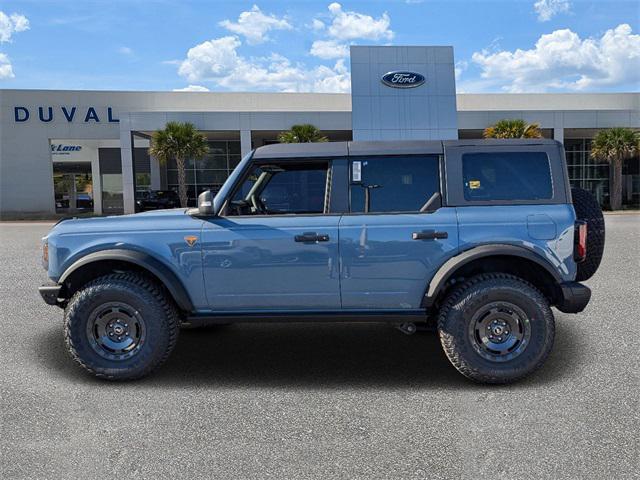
column 126, row 156
column 558, row 134
column 155, row 173
column 245, row 142
column 96, row 182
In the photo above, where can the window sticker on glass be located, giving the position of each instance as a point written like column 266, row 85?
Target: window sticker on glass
column 473, row 184
column 356, row 171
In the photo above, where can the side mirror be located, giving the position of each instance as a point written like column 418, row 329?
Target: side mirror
column 205, row 203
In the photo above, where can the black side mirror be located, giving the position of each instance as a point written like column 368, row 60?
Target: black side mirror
column 205, row 203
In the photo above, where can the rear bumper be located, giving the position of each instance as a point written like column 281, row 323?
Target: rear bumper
column 575, row 297
column 50, row 294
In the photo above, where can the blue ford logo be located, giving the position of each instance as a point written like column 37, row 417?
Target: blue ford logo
column 401, row 79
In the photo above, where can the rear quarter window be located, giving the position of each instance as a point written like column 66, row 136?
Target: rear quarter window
column 506, row 176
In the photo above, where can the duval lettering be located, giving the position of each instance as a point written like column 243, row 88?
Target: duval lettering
column 47, row 114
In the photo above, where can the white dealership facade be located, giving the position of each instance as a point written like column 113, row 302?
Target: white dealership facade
column 85, row 151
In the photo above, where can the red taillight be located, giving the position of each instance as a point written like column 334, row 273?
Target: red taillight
column 581, row 241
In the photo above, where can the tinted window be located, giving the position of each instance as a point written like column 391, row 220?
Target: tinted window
column 395, row 184
column 506, row 176
column 282, row 188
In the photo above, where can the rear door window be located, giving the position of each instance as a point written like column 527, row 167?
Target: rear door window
column 394, row 183
column 506, row 176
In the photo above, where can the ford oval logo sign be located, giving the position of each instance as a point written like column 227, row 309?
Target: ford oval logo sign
column 401, row 79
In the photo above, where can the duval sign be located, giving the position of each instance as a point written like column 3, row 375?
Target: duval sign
column 403, row 79
column 66, row 113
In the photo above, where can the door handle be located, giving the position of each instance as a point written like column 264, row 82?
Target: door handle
column 308, row 237
column 429, row 235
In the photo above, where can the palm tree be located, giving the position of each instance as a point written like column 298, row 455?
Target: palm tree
column 178, row 141
column 513, row 129
column 614, row 146
column 304, row 133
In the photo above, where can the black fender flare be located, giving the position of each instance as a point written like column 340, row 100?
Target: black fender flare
column 448, row 268
column 144, row 260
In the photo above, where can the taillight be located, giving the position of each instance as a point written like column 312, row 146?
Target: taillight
column 580, row 250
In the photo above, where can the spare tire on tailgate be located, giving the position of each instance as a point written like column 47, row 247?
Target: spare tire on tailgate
column 588, row 209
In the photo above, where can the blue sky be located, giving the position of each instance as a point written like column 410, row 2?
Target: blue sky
column 500, row 46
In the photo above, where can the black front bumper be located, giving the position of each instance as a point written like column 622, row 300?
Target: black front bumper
column 574, row 298
column 50, row 294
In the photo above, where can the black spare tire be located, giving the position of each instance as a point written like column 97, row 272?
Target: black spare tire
column 588, row 210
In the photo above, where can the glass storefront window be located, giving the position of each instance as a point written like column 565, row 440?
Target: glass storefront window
column 209, row 172
column 586, row 172
column 73, row 187
column 112, row 200
column 143, row 182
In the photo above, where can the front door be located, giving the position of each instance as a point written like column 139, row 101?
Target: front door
column 389, row 248
column 275, row 247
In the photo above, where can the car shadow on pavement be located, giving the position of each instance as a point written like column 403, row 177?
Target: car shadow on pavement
column 315, row 355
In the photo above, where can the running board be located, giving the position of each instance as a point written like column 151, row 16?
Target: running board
column 401, row 316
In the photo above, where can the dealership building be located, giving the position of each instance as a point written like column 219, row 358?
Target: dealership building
column 70, row 152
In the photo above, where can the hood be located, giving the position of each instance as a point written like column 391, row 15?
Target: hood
column 152, row 220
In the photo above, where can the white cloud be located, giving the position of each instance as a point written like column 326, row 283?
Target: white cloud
column 125, row 51
column 327, row 49
column 561, row 60
column 192, row 88
column 6, row 70
column 460, row 67
column 210, row 59
column 547, row 9
column 218, row 61
column 346, row 25
column 10, row 24
column 254, row 25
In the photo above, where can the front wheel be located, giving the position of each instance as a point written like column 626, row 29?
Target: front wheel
column 120, row 326
column 496, row 328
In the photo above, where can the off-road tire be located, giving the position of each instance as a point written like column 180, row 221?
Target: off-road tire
column 588, row 209
column 457, row 313
column 147, row 299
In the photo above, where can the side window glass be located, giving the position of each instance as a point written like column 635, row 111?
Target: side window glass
column 506, row 176
column 393, row 184
column 282, row 188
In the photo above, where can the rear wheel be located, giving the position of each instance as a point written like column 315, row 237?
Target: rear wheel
column 120, row 326
column 496, row 328
column 588, row 209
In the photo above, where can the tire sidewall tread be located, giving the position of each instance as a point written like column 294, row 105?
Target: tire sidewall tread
column 159, row 313
column 458, row 309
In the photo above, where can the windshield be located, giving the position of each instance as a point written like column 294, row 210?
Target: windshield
column 228, row 184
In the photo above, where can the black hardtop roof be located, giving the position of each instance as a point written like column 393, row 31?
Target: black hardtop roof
column 394, row 147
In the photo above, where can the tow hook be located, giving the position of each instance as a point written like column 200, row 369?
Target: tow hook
column 408, row 328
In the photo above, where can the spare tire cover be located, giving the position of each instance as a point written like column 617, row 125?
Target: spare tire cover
column 588, row 209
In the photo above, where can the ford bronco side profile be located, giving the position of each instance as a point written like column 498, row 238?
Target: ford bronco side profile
column 480, row 238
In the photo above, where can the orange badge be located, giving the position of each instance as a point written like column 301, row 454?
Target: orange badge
column 191, row 240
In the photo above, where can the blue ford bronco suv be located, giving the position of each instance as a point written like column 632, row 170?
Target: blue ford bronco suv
column 479, row 238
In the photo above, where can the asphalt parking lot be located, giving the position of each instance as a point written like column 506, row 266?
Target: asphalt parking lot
column 321, row 400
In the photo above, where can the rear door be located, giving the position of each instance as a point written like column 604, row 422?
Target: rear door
column 389, row 248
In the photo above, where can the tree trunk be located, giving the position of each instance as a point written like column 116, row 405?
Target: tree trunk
column 616, row 187
column 182, row 182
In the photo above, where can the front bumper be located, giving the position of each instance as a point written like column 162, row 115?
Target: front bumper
column 574, row 297
column 50, row 294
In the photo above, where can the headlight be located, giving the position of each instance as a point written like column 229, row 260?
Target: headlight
column 45, row 254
